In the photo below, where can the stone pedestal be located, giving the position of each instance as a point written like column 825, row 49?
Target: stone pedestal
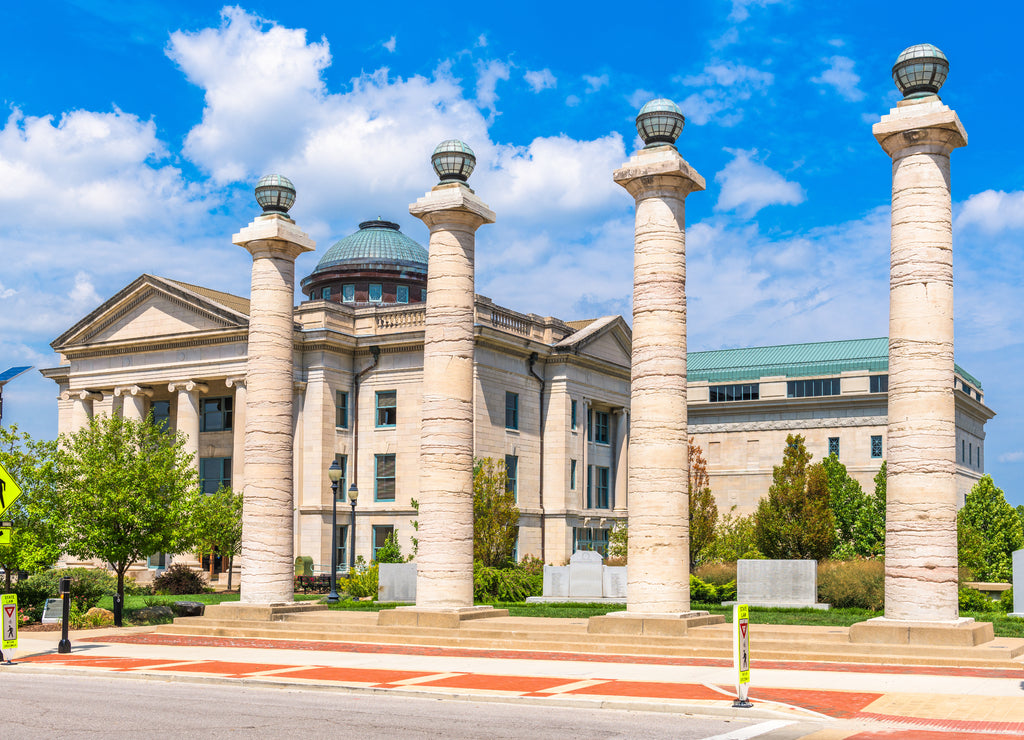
column 274, row 241
column 920, row 547
column 445, row 556
column 659, row 179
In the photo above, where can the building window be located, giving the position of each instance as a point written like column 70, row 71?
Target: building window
column 423, row 295
column 833, row 446
column 586, row 538
column 384, row 479
column 601, row 427
column 381, row 532
column 214, row 472
column 512, row 474
column 601, row 498
column 342, row 461
column 970, row 454
column 342, row 547
column 879, row 383
column 572, row 475
column 215, row 414
column 376, row 293
column 741, row 392
column 590, row 486
column 590, row 425
column 815, row 387
column 572, row 415
column 511, row 410
column 876, row 445
column 348, row 293
column 402, row 294
column 157, row 560
column 327, row 294
column 341, row 410
column 161, row 411
column 387, row 408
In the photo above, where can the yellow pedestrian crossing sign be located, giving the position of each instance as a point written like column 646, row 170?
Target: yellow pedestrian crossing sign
column 5, row 535
column 9, row 606
column 9, row 490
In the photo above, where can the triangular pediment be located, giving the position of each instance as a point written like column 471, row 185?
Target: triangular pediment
column 153, row 307
column 607, row 338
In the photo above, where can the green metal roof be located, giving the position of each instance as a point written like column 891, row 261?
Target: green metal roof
column 375, row 242
column 795, row 360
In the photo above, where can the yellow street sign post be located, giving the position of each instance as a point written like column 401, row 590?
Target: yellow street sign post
column 9, row 490
column 741, row 652
column 9, row 607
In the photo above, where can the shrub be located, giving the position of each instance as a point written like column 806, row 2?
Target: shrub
column 532, row 565
column 505, row 584
column 734, row 539
column 88, row 585
column 390, row 551
column 1006, row 601
column 179, row 580
column 33, row 593
column 972, row 600
column 363, row 581
column 705, row 593
column 717, row 574
column 727, row 591
column 852, row 583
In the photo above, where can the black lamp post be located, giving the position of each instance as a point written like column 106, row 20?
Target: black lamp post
column 353, row 494
column 334, row 473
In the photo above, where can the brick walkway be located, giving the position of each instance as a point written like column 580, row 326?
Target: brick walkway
column 901, row 715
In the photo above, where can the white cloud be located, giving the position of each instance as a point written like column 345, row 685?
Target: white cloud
column 639, row 97
column 726, row 85
column 747, row 185
column 841, row 77
column 540, row 80
column 488, row 75
column 595, row 82
column 390, row 44
column 1012, row 457
column 740, row 8
column 572, row 101
column 481, row 41
column 729, row 74
column 992, row 211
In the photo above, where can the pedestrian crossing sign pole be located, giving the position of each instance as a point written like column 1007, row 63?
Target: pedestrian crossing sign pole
column 9, row 607
column 741, row 652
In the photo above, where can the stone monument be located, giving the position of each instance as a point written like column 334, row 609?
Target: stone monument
column 444, row 561
column 659, row 179
column 274, row 241
column 920, row 545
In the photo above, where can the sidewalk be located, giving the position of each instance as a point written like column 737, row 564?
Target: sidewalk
column 960, row 702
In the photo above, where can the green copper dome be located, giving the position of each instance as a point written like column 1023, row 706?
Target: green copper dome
column 375, row 242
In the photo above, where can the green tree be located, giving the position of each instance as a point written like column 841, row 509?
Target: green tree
column 869, row 529
column 217, row 525
column 127, row 490
column 495, row 514
column 618, row 541
column 734, row 539
column 703, row 510
column 998, row 528
column 795, row 521
column 846, row 499
column 34, row 544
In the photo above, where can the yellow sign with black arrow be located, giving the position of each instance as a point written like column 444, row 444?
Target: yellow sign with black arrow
column 5, row 535
column 9, row 490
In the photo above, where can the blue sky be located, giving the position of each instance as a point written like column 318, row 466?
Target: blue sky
column 133, row 133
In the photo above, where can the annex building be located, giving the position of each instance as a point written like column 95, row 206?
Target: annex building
column 551, row 399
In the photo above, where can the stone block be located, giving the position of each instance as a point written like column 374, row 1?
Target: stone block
column 411, row 616
column 586, row 575
column 1018, row 583
column 782, row 583
column 271, row 612
column 396, row 582
column 614, row 581
column 556, row 581
column 188, row 608
column 962, row 632
column 655, row 625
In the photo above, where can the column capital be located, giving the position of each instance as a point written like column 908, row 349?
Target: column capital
column 920, row 124
column 658, row 170
column 452, row 204
column 274, row 235
column 133, row 390
column 81, row 395
column 237, row 382
column 191, row 386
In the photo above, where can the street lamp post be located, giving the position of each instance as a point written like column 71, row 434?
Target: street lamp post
column 334, row 473
column 353, row 494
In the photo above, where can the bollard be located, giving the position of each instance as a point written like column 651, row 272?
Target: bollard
column 64, row 646
column 118, row 609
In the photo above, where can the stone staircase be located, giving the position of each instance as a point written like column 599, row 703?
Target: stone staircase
column 532, row 634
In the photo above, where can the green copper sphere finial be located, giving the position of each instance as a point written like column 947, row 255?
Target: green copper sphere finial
column 920, row 70
column 660, row 122
column 275, row 193
column 453, row 161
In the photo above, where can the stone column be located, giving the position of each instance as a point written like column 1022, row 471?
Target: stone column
column 186, row 412
column 134, row 396
column 659, row 179
column 238, row 434
column 921, row 549
column 621, row 461
column 274, row 241
column 81, row 406
column 453, row 212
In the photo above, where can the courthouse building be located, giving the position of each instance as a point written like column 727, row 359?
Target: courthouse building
column 551, row 399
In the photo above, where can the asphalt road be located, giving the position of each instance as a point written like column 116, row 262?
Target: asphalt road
column 39, row 706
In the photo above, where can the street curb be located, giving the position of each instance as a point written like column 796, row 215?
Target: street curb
column 632, row 705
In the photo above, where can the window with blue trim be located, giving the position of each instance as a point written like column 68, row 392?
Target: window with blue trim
column 876, row 445
column 601, row 497
column 879, row 383
column 384, row 478
column 402, row 294
column 327, row 294
column 572, row 415
column 375, row 293
column 833, row 446
column 572, row 475
column 740, row 392
column 381, row 532
column 161, row 411
column 587, row 538
column 813, row 387
column 348, row 293
column 342, row 461
column 511, row 410
column 341, row 410
column 512, row 474
column 387, row 408
column 215, row 414
column 214, row 472
column 601, row 427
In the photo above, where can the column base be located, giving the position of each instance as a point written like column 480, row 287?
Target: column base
column 443, row 617
column 960, row 632
column 663, row 625
column 271, row 612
